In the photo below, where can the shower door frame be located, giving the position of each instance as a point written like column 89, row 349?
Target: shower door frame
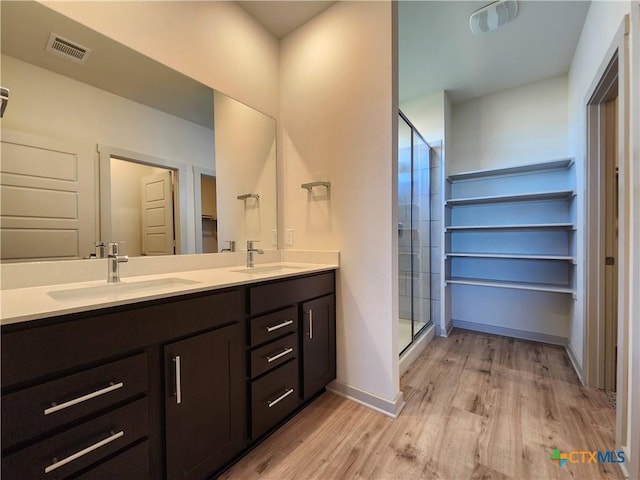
column 414, row 132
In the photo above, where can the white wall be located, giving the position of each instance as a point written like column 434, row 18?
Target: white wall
column 427, row 115
column 216, row 43
column 601, row 25
column 633, row 440
column 522, row 125
column 337, row 119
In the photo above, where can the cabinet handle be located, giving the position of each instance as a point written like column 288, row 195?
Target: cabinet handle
column 280, row 325
column 271, row 403
column 55, row 408
column 178, row 392
column 59, row 463
column 284, row 352
column 310, row 324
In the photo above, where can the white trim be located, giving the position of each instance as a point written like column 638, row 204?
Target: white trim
column 389, row 408
column 593, row 283
column 573, row 358
column 198, row 172
column 510, row 332
column 416, row 348
column 181, row 214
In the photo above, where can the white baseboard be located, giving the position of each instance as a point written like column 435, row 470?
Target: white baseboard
column 574, row 360
column 415, row 350
column 390, row 408
column 440, row 332
column 623, row 467
column 511, row 332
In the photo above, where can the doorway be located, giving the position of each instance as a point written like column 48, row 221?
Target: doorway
column 209, row 214
column 603, row 210
column 141, row 198
column 142, row 208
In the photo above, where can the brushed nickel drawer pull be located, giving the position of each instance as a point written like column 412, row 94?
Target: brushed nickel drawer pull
column 83, row 452
column 55, row 408
column 310, row 324
column 280, row 398
column 176, row 362
column 280, row 325
column 284, row 352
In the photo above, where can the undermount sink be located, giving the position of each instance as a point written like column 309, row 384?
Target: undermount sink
column 123, row 287
column 268, row 269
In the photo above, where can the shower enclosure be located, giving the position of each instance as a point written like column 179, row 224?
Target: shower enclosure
column 414, row 246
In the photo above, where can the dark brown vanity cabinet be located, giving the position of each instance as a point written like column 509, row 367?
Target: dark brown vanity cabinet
column 165, row 389
column 94, row 395
column 291, row 346
column 318, row 344
column 204, row 407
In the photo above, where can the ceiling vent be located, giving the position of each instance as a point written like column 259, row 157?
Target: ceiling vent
column 65, row 48
column 492, row 16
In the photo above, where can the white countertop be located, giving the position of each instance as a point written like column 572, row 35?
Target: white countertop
column 32, row 303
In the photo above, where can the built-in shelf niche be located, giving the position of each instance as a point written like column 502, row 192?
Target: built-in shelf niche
column 506, row 230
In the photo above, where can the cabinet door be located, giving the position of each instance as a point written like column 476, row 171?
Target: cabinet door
column 205, row 402
column 318, row 344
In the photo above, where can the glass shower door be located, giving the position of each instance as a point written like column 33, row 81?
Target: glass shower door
column 414, row 252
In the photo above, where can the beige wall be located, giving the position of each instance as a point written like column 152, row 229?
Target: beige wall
column 216, row 43
column 337, row 120
column 245, row 144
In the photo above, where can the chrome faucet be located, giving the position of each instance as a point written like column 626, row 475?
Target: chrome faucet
column 99, row 251
column 250, row 252
column 114, row 262
column 232, row 246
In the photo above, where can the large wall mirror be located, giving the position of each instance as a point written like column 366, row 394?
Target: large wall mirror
column 100, row 143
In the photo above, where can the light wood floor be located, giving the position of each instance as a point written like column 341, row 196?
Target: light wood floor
column 477, row 407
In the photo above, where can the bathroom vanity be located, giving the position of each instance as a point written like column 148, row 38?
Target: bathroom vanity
column 171, row 387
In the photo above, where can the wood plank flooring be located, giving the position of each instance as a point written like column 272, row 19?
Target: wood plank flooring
column 478, row 406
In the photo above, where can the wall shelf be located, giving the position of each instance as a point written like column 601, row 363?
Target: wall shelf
column 530, row 226
column 532, row 167
column 539, row 287
column 520, row 197
column 517, row 256
column 489, row 215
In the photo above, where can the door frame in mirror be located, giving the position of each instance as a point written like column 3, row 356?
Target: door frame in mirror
column 198, row 172
column 105, row 153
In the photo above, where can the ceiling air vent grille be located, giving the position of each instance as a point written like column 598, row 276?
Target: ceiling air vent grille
column 65, row 48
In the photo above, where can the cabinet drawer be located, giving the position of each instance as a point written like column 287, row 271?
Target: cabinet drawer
column 273, row 354
column 79, row 447
column 269, row 327
column 272, row 296
column 132, row 463
column 273, row 397
column 36, row 410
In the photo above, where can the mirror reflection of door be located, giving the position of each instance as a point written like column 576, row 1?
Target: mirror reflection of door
column 209, row 214
column 142, row 208
column 157, row 214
